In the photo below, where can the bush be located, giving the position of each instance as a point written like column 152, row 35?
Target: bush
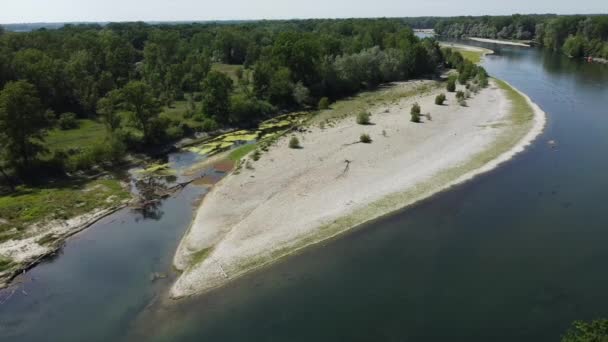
column 440, row 99
column 415, row 112
column 451, row 86
column 324, row 103
column 294, row 142
column 67, row 121
column 460, row 95
column 209, row 125
column 467, row 94
column 462, row 102
column 365, row 138
column 363, row 118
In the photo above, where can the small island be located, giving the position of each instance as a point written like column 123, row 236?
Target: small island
column 293, row 196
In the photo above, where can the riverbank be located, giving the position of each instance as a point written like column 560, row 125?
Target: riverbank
column 292, row 198
column 498, row 41
column 66, row 211
column 472, row 53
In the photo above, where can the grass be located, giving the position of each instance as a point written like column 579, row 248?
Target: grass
column 366, row 100
column 5, row 263
column 63, row 200
column 238, row 153
column 88, row 133
column 229, row 69
column 177, row 112
column 473, row 56
column 200, row 256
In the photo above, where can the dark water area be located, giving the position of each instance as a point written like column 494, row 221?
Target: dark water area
column 516, row 254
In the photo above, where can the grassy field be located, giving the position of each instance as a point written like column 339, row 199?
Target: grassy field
column 62, row 200
column 88, row 133
column 238, row 153
column 473, row 56
column 228, row 69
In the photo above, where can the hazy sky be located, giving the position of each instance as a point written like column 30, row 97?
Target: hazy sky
column 19, row 11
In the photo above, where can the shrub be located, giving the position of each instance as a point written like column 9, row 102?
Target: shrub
column 467, row 94
column 67, row 121
column 209, row 125
column 451, row 86
column 415, row 112
column 363, row 118
column 462, row 102
column 294, row 142
column 365, row 138
column 256, row 155
column 324, row 103
column 440, row 99
column 460, row 95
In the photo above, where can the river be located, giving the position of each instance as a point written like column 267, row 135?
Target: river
column 516, row 254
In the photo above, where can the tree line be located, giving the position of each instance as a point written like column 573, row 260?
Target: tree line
column 124, row 74
column 575, row 35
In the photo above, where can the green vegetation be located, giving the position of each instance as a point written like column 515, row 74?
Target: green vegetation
column 575, row 35
column 440, row 99
column 472, row 56
column 365, row 138
column 5, row 263
column 200, row 256
column 451, row 85
column 89, row 132
column 67, row 121
column 240, row 152
column 323, row 103
column 415, row 113
column 363, row 118
column 594, row 331
column 460, row 95
column 294, row 142
column 63, row 200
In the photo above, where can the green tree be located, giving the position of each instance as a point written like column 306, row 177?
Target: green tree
column 22, row 124
column 595, row 331
column 217, row 88
column 138, row 98
column 108, row 108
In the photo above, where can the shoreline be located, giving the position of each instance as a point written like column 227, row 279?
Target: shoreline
column 29, row 252
column 497, row 41
column 208, row 273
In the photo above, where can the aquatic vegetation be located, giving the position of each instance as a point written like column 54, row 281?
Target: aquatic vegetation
column 158, row 169
column 267, row 130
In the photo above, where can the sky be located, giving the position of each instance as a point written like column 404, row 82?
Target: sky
column 29, row 11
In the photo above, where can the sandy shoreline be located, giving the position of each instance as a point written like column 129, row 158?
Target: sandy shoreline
column 497, row 41
column 294, row 198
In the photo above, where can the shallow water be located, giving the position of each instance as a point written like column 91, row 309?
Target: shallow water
column 514, row 255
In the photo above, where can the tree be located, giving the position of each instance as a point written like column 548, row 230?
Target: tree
column 595, row 331
column 301, row 94
column 22, row 124
column 107, row 108
column 138, row 99
column 217, row 88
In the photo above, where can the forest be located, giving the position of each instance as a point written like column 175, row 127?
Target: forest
column 575, row 35
column 130, row 76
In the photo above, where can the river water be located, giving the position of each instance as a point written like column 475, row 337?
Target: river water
column 514, row 255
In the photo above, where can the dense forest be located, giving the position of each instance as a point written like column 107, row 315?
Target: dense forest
column 126, row 74
column 575, row 35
